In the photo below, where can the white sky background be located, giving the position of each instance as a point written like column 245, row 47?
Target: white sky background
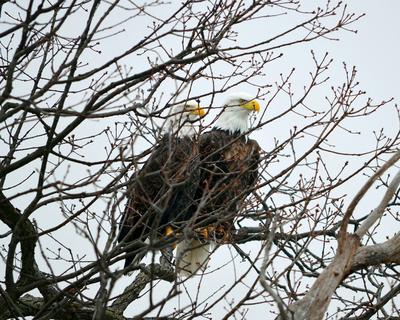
column 374, row 50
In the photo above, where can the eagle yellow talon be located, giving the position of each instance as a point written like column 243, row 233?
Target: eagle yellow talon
column 203, row 233
column 218, row 233
column 222, row 234
column 169, row 231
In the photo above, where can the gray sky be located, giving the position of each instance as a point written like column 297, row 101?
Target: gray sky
column 374, row 50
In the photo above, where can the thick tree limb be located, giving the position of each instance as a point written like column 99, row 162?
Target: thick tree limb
column 148, row 274
column 29, row 305
column 380, row 209
column 25, row 234
column 361, row 193
column 387, row 252
column 315, row 303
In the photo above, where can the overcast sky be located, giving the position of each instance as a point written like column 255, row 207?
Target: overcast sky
column 375, row 51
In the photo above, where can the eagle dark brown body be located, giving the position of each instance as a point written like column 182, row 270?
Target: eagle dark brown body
column 161, row 194
column 229, row 164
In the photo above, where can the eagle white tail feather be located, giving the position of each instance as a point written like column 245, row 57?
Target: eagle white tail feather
column 192, row 256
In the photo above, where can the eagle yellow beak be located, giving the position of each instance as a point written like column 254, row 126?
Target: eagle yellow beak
column 252, row 105
column 198, row 111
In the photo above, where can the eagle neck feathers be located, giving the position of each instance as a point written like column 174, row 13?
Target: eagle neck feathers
column 186, row 130
column 233, row 120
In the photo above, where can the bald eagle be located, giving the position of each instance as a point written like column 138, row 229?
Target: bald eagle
column 229, row 163
column 160, row 194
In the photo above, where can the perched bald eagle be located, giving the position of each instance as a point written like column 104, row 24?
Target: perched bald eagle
column 161, row 193
column 229, row 163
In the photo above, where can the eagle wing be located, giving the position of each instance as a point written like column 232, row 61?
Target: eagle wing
column 160, row 194
column 229, row 172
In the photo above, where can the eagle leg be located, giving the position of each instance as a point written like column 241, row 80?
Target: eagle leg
column 167, row 253
column 204, row 233
column 222, row 234
column 169, row 232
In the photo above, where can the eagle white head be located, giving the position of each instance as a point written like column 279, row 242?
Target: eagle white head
column 181, row 118
column 236, row 110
